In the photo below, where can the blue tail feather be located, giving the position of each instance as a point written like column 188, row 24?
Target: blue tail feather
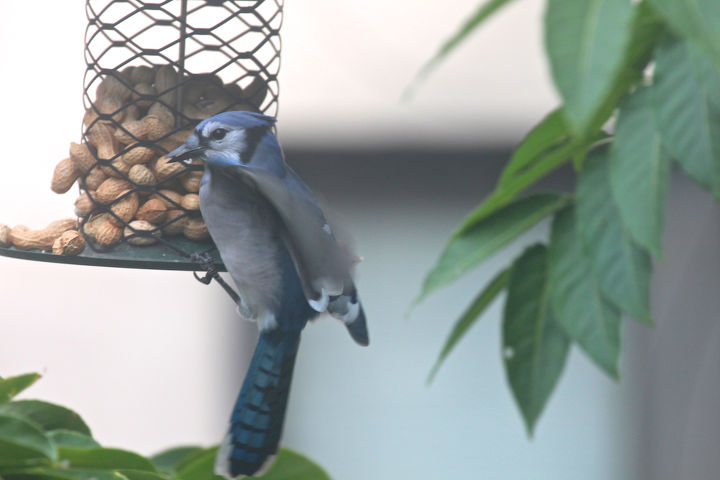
column 257, row 419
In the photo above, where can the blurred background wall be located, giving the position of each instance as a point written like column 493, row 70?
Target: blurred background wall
column 154, row 359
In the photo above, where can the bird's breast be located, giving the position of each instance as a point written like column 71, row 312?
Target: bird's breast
column 246, row 231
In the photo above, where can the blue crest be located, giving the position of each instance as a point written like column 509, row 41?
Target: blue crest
column 240, row 119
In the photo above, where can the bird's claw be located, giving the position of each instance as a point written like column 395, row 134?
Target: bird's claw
column 204, row 260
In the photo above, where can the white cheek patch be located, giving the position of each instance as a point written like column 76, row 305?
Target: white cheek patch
column 230, row 148
column 237, row 139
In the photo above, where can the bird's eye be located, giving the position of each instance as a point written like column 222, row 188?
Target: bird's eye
column 218, row 134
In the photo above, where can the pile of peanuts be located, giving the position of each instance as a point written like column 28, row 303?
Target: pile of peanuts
column 128, row 188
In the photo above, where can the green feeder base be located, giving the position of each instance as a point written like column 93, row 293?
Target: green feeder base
column 155, row 257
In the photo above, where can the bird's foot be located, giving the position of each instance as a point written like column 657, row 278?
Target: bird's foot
column 205, row 261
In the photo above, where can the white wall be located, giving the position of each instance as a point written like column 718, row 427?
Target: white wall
column 346, row 65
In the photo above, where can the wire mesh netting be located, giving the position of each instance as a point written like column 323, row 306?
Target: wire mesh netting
column 154, row 70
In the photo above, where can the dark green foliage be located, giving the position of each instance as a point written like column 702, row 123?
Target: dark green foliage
column 534, row 344
column 597, row 264
column 43, row 441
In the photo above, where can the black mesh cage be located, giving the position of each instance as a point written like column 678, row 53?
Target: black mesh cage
column 154, row 70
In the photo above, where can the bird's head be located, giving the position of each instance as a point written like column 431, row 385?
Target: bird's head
column 226, row 139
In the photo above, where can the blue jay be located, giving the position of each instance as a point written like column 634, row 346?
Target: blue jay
column 285, row 261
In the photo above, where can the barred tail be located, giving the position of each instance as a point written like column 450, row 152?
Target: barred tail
column 257, row 419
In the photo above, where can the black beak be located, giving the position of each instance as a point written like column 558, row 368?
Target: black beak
column 183, row 152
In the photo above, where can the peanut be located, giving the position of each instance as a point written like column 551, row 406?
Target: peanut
column 174, row 140
column 111, row 189
column 132, row 113
column 122, row 170
column 70, row 242
column 142, row 74
column 191, row 181
column 143, row 89
column 164, row 168
column 171, row 198
column 204, row 96
column 166, row 78
column 137, row 154
column 175, row 222
column 131, row 132
column 4, row 235
column 191, row 201
column 101, row 137
column 195, row 229
column 134, row 233
column 94, row 178
column 117, row 169
column 103, row 231
column 149, row 127
column 81, row 157
column 25, row 239
column 113, row 87
column 111, row 95
column 83, row 205
column 255, row 92
column 89, row 117
column 153, row 211
column 125, row 208
column 64, row 176
column 90, row 226
column 164, row 114
column 141, row 175
column 155, row 127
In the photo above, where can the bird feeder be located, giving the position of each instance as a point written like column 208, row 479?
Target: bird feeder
column 154, row 70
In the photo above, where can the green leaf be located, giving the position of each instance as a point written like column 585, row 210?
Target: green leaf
column 38, row 474
column 141, row 475
column 62, row 474
column 23, row 443
column 685, row 92
column 468, row 318
column 170, row 460
column 49, row 416
column 534, row 346
column 514, row 184
column 577, row 302
column 69, row 438
column 482, row 13
column 199, row 466
column 697, row 20
column 550, row 132
column 93, row 474
column 621, row 267
column 640, row 170
column 647, row 31
column 104, row 458
column 586, row 43
column 9, row 387
column 476, row 244
column 290, row 465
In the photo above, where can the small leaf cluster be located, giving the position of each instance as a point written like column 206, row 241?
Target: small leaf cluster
column 44, row 441
column 640, row 89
